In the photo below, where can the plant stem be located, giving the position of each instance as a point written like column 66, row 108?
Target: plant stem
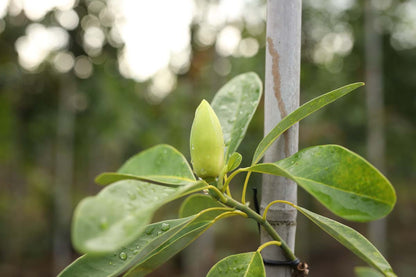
column 252, row 214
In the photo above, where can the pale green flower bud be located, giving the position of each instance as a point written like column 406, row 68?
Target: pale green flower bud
column 207, row 142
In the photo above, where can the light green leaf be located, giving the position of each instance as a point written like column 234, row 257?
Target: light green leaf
column 161, row 164
column 235, row 104
column 234, row 161
column 119, row 213
column 341, row 180
column 299, row 114
column 196, row 203
column 351, row 239
column 366, row 272
column 240, row 265
column 155, row 236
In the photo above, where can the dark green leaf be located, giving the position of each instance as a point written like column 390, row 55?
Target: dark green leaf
column 299, row 114
column 351, row 239
column 234, row 161
column 367, row 272
column 235, row 104
column 119, row 213
column 161, row 164
column 240, row 265
column 341, row 180
column 196, row 203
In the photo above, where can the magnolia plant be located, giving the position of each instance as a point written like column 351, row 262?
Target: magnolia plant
column 114, row 231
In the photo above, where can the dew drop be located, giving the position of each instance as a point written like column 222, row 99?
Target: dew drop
column 123, row 256
column 135, row 252
column 159, row 233
column 165, row 227
column 149, row 230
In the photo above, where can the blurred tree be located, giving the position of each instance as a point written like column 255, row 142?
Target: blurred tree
column 115, row 116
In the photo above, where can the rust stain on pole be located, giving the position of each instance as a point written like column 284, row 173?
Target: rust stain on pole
column 276, row 88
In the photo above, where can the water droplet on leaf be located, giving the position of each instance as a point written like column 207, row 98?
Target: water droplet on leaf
column 165, row 227
column 149, row 230
column 123, row 256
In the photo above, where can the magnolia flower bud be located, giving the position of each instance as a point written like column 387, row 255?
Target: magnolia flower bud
column 207, row 142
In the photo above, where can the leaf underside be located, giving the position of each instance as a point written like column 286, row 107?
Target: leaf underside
column 240, row 265
column 351, row 239
column 299, row 114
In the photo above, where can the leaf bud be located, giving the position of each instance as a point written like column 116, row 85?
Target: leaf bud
column 206, row 142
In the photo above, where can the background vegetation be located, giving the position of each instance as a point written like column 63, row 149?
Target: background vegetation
column 73, row 104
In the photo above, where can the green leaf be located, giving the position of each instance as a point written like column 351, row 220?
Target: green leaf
column 155, row 236
column 341, row 180
column 235, row 104
column 351, row 239
column 161, row 164
column 299, row 114
column 178, row 242
column 234, row 161
column 113, row 264
column 366, row 272
column 119, row 213
column 196, row 203
column 244, row 264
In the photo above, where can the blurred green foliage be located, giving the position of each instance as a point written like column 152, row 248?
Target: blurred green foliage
column 116, row 117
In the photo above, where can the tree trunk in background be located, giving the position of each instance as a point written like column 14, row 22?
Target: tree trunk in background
column 281, row 98
column 63, row 174
column 375, row 103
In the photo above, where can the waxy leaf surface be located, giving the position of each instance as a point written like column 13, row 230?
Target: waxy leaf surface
column 240, row 265
column 299, row 114
column 161, row 164
column 234, row 105
column 119, row 213
column 351, row 239
column 234, row 161
column 341, row 180
column 155, row 237
column 362, row 271
column 177, row 243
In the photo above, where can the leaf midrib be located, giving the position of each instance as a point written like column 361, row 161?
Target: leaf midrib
column 355, row 193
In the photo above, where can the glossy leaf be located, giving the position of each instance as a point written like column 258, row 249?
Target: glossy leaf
column 196, row 203
column 341, row 180
column 366, row 272
column 240, row 265
column 115, row 263
column 299, row 114
column 234, row 161
column 351, row 239
column 160, row 164
column 176, row 243
column 235, row 104
column 119, row 213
